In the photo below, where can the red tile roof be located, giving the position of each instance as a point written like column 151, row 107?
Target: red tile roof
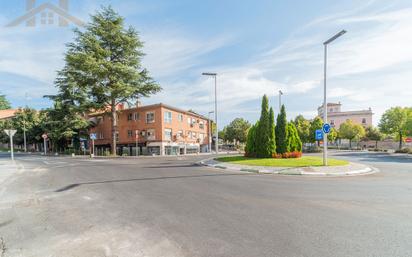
column 6, row 114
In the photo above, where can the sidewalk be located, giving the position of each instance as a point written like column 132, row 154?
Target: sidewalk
column 348, row 170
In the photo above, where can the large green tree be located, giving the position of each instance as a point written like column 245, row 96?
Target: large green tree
column 303, row 127
column 395, row 121
column 237, row 130
column 103, row 66
column 281, row 132
column 61, row 125
column 4, row 103
column 349, row 130
column 373, row 134
column 29, row 120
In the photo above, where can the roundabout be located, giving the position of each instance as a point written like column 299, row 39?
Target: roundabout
column 304, row 166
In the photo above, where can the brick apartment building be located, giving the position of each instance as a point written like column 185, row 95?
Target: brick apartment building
column 336, row 116
column 159, row 129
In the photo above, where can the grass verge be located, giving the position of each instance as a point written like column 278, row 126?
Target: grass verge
column 304, row 161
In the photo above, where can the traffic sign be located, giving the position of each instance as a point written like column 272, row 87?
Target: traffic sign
column 318, row 135
column 44, row 136
column 10, row 132
column 408, row 140
column 326, row 128
column 93, row 136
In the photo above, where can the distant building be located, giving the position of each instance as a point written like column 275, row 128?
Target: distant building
column 336, row 116
column 7, row 114
column 158, row 129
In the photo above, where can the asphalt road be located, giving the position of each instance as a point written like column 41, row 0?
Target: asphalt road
column 170, row 207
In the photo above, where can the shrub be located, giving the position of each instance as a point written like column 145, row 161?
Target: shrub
column 287, row 155
column 404, row 150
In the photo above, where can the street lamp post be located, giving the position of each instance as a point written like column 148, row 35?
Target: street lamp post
column 216, row 131
column 280, row 99
column 210, row 132
column 137, row 142
column 325, row 105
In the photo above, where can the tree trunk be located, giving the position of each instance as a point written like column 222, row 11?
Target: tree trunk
column 400, row 141
column 350, row 144
column 376, row 144
column 114, row 128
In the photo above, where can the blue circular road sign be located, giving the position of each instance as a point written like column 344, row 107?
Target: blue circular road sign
column 326, row 128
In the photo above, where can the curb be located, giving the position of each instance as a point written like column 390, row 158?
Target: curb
column 290, row 172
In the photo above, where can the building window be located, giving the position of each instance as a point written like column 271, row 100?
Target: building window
column 179, row 134
column 189, row 121
column 136, row 116
column 201, row 125
column 193, row 135
column 180, row 117
column 168, row 134
column 332, row 123
column 363, row 121
column 189, row 134
column 168, row 117
column 150, row 117
column 130, row 116
column 117, row 136
column 151, row 134
column 130, row 133
column 99, row 135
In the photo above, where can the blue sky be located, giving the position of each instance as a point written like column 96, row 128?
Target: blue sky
column 257, row 47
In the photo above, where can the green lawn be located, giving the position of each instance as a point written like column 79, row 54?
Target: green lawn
column 305, row 161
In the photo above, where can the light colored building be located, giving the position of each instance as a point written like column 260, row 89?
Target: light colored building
column 336, row 116
column 158, row 129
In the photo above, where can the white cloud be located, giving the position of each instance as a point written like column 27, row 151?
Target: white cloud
column 169, row 50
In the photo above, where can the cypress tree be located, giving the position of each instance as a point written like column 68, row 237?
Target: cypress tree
column 250, row 148
column 262, row 131
column 272, row 141
column 281, row 132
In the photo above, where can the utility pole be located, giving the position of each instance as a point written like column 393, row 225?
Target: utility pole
column 217, row 128
column 325, row 104
column 280, row 100
column 210, row 132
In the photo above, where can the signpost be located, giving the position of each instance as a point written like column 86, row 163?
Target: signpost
column 318, row 135
column 326, row 128
column 44, row 136
column 93, row 137
column 10, row 133
column 137, row 142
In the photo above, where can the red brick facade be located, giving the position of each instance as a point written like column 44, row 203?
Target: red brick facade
column 162, row 129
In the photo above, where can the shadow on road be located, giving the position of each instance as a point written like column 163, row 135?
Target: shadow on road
column 71, row 186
